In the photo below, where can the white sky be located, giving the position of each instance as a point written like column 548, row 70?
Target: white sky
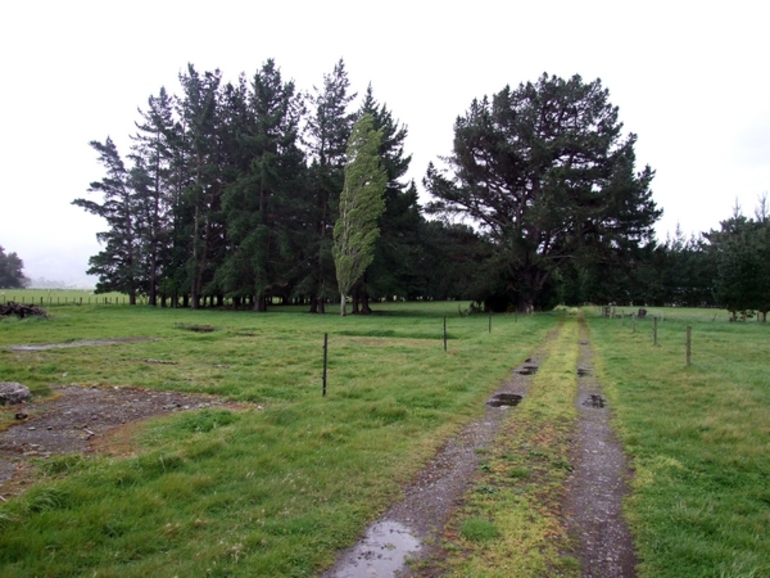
column 690, row 79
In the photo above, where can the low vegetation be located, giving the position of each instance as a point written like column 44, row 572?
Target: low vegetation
column 277, row 483
column 698, row 437
column 273, row 488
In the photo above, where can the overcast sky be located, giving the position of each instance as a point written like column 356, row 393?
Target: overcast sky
column 691, row 80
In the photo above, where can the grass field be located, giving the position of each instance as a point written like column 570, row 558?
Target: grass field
column 276, row 491
column 699, row 437
column 258, row 492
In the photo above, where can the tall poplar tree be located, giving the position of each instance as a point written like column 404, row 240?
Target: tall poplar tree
column 361, row 205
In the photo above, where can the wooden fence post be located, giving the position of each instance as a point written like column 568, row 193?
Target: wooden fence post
column 326, row 357
column 654, row 330
column 444, row 333
column 688, row 344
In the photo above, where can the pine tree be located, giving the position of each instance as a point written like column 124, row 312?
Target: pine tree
column 547, row 174
column 393, row 270
column 329, row 128
column 258, row 202
column 153, row 155
column 199, row 230
column 118, row 264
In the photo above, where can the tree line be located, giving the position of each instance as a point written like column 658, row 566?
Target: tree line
column 233, row 190
column 240, row 190
column 11, row 270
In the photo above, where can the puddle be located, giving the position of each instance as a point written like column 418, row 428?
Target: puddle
column 505, row 399
column 527, row 370
column 594, row 400
column 381, row 553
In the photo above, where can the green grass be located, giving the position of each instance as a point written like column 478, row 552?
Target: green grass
column 510, row 522
column 275, row 488
column 699, row 439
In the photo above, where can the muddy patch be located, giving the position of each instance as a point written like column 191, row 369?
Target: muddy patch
column 77, row 418
column 527, row 370
column 79, row 343
column 598, row 486
column 505, row 399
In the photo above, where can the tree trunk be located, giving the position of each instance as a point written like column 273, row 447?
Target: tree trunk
column 343, row 302
column 260, row 304
column 365, row 309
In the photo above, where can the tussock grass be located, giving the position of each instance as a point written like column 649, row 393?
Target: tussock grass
column 699, row 440
column 273, row 489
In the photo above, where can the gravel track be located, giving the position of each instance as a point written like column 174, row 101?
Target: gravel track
column 598, row 486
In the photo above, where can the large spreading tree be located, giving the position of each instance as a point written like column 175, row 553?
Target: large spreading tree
column 547, row 174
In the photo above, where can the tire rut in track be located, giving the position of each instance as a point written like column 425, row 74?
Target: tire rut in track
column 595, row 494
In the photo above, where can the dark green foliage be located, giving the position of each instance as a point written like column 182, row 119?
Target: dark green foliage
column 153, row 154
column 11, row 270
column 199, row 227
column 329, row 127
column 547, row 174
column 394, row 269
column 118, row 264
column 231, row 191
column 740, row 251
column 261, row 203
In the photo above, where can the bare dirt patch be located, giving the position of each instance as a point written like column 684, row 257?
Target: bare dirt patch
column 81, row 419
